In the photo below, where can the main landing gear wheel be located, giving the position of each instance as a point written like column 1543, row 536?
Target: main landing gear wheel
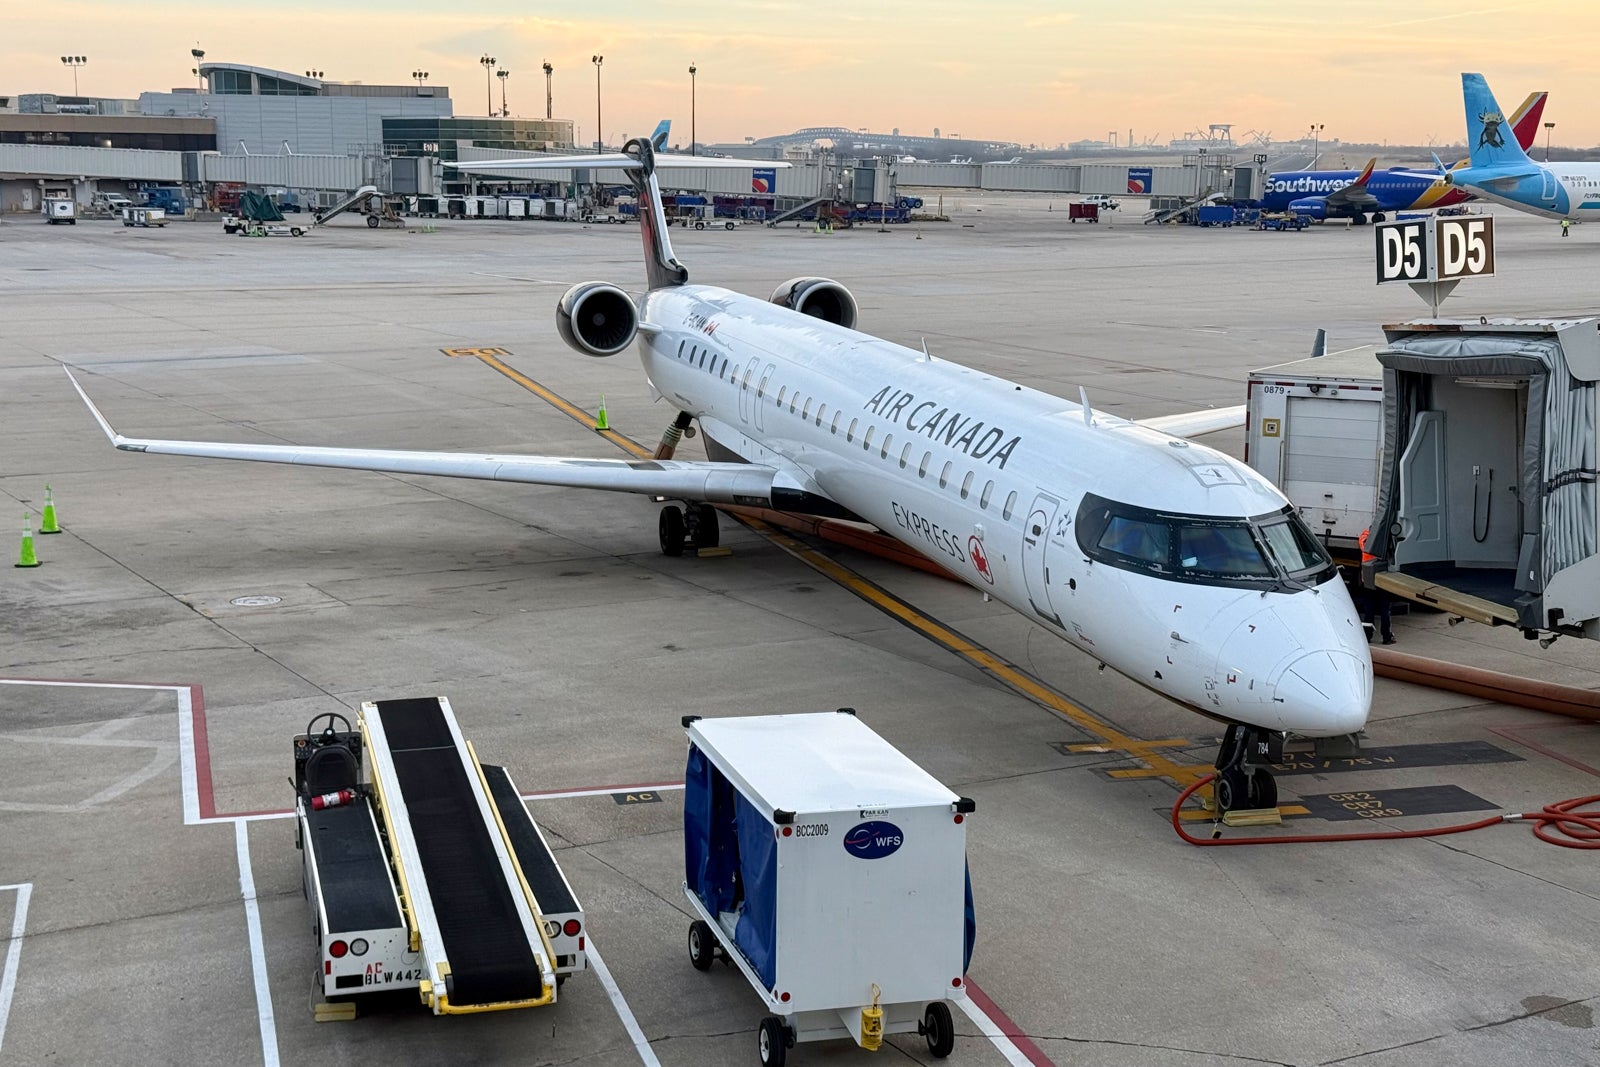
column 702, row 945
column 773, row 1041
column 672, row 530
column 1244, row 781
column 702, row 526
column 938, row 1030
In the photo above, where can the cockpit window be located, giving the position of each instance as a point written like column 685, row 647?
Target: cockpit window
column 1265, row 552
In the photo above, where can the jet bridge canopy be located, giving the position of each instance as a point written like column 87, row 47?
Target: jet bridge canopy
column 1488, row 504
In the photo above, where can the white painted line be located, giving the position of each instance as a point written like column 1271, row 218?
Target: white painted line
column 1000, row 1041
column 191, row 780
column 258, row 952
column 601, row 792
column 640, row 1044
column 8, row 976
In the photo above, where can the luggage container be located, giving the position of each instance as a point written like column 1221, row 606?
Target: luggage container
column 831, row 871
column 60, row 209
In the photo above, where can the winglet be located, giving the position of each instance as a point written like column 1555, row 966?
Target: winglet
column 116, row 439
column 1366, row 174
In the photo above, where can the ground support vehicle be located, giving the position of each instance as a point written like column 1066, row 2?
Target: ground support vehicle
column 1281, row 220
column 144, row 216
column 60, row 210
column 422, row 867
column 831, row 871
column 1314, row 428
column 1086, row 212
column 1214, row 215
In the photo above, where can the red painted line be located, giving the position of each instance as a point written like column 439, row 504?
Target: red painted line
column 1024, row 1043
column 204, row 795
column 1513, row 734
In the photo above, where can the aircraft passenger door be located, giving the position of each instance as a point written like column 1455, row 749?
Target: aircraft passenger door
column 760, row 399
column 1549, row 190
column 744, row 390
column 1035, row 569
column 1424, row 495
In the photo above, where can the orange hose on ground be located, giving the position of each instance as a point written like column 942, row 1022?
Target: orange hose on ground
column 1558, row 824
column 842, row 533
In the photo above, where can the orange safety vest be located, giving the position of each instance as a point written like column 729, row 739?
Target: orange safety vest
column 1362, row 542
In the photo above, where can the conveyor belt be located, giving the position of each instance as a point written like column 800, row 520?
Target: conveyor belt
column 491, row 960
column 351, row 869
column 533, row 856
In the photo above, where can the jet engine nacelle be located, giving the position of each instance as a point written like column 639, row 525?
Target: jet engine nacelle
column 597, row 319
column 821, row 298
column 1311, row 207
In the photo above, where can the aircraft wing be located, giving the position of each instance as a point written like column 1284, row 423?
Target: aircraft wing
column 1195, row 423
column 1355, row 194
column 717, row 483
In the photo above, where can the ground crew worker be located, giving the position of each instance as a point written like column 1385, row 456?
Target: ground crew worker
column 1566, row 227
column 1374, row 601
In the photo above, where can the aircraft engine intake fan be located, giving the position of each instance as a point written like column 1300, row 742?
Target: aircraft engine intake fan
column 597, row 319
column 1312, row 207
column 821, row 298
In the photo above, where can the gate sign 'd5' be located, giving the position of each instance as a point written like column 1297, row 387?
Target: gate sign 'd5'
column 1435, row 249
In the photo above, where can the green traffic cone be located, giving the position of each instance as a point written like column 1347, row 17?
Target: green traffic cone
column 47, row 522
column 601, row 423
column 27, row 558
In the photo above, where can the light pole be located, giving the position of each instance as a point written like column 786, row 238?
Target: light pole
column 1547, row 128
column 198, row 54
column 693, row 70
column 599, row 134
column 1316, row 141
column 503, row 74
column 74, row 62
column 488, row 62
column 420, row 76
column 317, row 74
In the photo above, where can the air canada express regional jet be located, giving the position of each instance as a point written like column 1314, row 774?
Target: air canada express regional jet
column 1169, row 562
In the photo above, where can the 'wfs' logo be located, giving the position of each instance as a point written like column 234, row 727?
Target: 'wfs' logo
column 873, row 840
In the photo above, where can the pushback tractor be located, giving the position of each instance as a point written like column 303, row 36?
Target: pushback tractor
column 832, row 872
column 423, row 868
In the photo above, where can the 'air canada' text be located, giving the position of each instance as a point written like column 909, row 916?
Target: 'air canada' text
column 941, row 424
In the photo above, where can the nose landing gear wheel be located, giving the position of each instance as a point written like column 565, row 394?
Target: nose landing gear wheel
column 1242, row 782
column 938, row 1030
column 672, row 530
column 772, row 1042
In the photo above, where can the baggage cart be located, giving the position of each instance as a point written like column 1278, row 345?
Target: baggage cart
column 831, row 871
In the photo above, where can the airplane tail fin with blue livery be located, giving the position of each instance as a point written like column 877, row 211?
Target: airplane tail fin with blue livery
column 1490, row 139
column 659, row 138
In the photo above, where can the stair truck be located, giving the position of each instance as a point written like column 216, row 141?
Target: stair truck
column 832, row 872
column 423, row 868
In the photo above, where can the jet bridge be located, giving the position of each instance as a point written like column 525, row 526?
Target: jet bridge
column 1488, row 506
column 424, row 869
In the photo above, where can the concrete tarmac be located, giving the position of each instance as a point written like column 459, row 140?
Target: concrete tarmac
column 570, row 648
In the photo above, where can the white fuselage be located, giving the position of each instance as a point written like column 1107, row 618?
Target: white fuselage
column 986, row 477
column 1559, row 191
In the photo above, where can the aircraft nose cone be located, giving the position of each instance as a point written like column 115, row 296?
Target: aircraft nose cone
column 1325, row 693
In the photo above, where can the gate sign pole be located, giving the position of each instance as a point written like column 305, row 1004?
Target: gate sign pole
column 1433, row 255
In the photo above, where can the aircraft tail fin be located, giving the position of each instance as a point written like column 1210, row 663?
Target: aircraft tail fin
column 1525, row 121
column 659, row 139
column 1366, row 173
column 1486, row 127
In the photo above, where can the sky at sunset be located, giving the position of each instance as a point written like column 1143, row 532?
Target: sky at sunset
column 1030, row 72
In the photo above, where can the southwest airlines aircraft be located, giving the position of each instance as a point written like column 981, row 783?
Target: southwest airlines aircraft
column 1179, row 567
column 1351, row 194
column 1500, row 171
